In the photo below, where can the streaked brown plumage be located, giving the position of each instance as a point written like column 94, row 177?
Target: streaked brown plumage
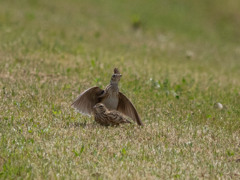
column 110, row 97
column 108, row 118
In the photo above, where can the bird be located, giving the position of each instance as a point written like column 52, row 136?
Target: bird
column 108, row 118
column 111, row 97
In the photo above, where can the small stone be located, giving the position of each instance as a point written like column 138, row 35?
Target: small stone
column 218, row 106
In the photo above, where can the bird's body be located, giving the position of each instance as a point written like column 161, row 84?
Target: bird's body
column 110, row 97
column 108, row 118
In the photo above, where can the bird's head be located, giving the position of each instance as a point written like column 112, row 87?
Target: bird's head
column 116, row 76
column 99, row 108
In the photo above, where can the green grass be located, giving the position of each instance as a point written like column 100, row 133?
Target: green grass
column 177, row 60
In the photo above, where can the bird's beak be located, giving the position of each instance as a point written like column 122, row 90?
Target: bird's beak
column 94, row 106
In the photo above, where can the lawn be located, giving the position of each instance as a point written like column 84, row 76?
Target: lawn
column 178, row 60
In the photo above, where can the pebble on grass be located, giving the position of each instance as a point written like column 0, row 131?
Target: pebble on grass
column 218, row 105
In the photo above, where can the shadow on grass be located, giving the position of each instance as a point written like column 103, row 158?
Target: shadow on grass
column 93, row 125
column 82, row 125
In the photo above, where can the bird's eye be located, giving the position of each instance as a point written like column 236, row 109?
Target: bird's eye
column 114, row 75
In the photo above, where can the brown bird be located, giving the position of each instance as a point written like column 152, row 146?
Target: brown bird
column 110, row 97
column 108, row 118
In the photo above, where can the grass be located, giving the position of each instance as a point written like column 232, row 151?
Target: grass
column 177, row 59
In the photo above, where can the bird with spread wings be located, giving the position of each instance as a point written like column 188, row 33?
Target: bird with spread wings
column 111, row 97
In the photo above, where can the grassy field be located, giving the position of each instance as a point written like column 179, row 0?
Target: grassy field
column 178, row 59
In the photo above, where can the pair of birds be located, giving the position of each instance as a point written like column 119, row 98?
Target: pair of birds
column 109, row 105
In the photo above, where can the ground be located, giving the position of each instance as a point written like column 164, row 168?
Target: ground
column 178, row 60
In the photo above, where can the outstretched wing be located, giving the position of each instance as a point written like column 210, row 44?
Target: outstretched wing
column 87, row 99
column 126, row 107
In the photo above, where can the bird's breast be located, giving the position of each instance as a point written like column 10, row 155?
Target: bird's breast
column 111, row 101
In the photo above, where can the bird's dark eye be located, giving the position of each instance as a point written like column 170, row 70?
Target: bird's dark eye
column 114, row 75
